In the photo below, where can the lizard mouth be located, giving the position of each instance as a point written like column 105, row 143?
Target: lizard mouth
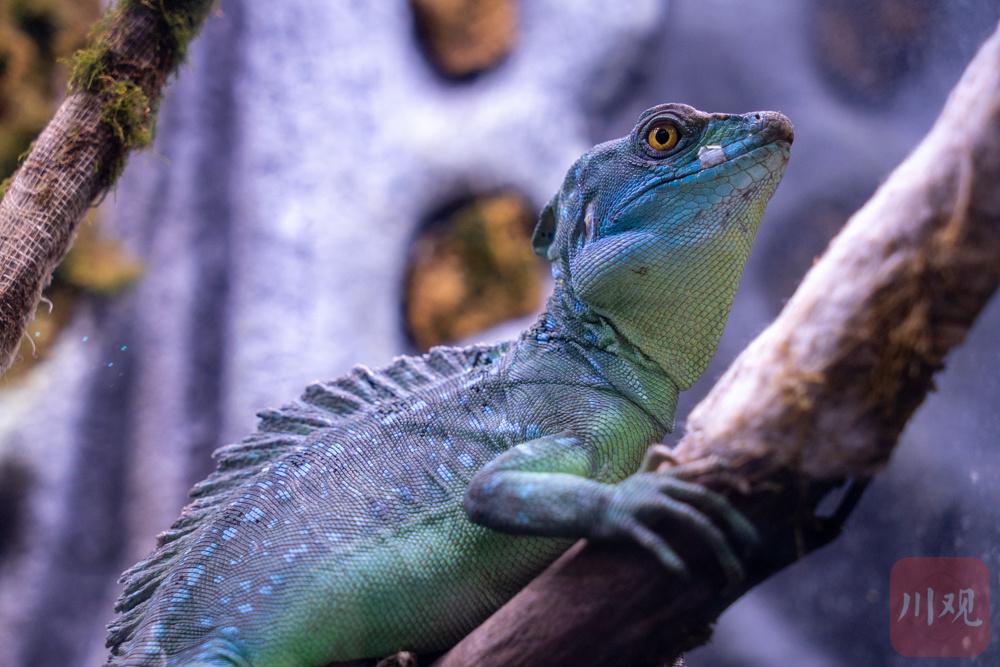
column 712, row 160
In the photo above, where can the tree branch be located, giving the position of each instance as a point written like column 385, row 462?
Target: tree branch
column 820, row 396
column 116, row 87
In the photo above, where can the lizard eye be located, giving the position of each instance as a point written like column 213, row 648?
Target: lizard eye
column 662, row 136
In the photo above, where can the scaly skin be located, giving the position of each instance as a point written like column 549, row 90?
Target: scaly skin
column 397, row 509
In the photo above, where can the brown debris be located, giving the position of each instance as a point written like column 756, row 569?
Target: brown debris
column 98, row 264
column 34, row 36
column 464, row 37
column 472, row 269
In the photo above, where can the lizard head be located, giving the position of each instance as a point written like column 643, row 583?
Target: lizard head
column 652, row 231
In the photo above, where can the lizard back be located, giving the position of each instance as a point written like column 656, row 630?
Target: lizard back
column 281, row 454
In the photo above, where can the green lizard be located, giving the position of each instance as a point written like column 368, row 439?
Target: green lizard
column 397, row 508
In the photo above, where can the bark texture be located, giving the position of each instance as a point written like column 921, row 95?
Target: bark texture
column 116, row 87
column 820, row 396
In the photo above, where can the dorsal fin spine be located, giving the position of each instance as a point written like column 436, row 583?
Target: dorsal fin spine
column 279, row 433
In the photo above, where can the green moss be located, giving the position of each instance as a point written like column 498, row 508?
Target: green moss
column 90, row 63
column 126, row 108
column 182, row 20
column 87, row 66
column 4, row 184
column 128, row 111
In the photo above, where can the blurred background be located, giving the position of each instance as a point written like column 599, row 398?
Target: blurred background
column 340, row 182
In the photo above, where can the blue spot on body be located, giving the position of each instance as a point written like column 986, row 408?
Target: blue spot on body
column 533, row 431
column 275, row 578
column 445, row 472
column 229, row 631
column 229, row 533
column 265, row 590
column 182, row 595
column 254, row 514
column 205, row 622
column 245, row 585
column 210, row 549
column 291, row 554
column 245, row 608
column 194, row 574
column 159, row 629
column 465, row 459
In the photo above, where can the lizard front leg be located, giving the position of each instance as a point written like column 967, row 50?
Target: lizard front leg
column 546, row 487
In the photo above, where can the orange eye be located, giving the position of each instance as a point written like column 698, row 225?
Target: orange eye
column 662, row 136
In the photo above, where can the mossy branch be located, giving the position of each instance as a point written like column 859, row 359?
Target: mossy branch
column 115, row 88
column 820, row 396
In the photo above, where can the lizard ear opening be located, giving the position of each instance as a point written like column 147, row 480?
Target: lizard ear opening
column 545, row 231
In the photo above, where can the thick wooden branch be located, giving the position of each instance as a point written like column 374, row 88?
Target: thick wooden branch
column 117, row 83
column 820, row 396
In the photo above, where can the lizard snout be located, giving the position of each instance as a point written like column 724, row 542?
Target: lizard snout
column 772, row 125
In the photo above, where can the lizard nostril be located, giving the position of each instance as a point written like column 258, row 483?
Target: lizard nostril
column 773, row 126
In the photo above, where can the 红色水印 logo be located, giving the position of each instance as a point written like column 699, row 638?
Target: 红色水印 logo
column 939, row 607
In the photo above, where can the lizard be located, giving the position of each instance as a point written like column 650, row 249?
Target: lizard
column 395, row 509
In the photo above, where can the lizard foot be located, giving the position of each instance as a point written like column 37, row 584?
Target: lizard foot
column 653, row 499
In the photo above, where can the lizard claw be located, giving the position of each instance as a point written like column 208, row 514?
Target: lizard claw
column 652, row 499
column 650, row 540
